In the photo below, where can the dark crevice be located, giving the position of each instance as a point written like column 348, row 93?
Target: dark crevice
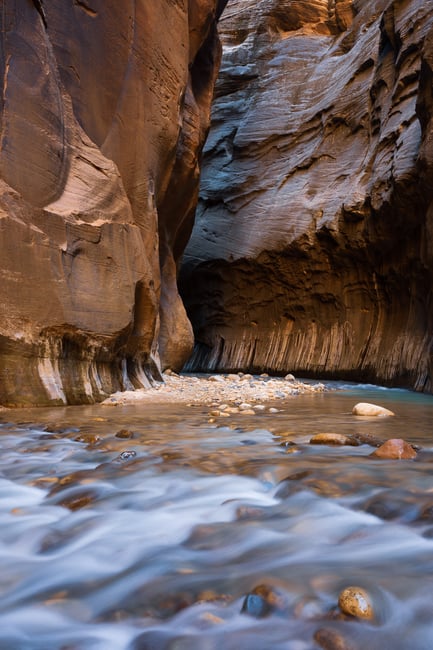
column 40, row 9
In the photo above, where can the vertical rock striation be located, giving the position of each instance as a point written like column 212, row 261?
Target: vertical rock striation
column 104, row 110
column 313, row 246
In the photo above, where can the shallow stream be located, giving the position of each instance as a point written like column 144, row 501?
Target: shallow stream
column 151, row 539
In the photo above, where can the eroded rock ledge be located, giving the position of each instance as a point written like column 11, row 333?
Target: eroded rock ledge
column 104, row 110
column 313, row 247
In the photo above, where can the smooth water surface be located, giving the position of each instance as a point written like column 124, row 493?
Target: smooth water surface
column 153, row 539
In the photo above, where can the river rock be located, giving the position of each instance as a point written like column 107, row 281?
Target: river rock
column 312, row 248
column 104, row 110
column 88, row 438
column 124, row 434
column 333, row 439
column 356, row 602
column 364, row 408
column 367, row 439
column 263, row 600
column 332, row 640
column 396, row 448
column 126, row 455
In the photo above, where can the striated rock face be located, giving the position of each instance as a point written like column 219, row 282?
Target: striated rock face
column 103, row 113
column 313, row 247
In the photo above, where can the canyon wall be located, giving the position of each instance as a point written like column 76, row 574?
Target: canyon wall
column 313, row 246
column 104, row 109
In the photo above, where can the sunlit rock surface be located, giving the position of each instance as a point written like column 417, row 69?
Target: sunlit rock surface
column 104, row 109
column 313, row 246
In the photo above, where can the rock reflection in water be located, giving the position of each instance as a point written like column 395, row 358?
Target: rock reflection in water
column 149, row 527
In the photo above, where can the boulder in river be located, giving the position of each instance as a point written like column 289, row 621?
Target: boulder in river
column 396, row 448
column 364, row 408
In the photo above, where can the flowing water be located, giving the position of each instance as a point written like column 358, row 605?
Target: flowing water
column 152, row 538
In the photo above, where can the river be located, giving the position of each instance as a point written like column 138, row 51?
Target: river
column 144, row 527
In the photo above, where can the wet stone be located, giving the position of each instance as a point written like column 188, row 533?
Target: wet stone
column 334, row 439
column 389, row 506
column 368, row 439
column 356, row 602
column 78, row 501
column 256, row 606
column 51, row 428
column 264, row 600
column 395, row 449
column 332, row 640
column 426, row 514
column 126, row 455
column 372, row 410
column 289, row 486
column 251, row 513
column 88, row 438
column 124, row 434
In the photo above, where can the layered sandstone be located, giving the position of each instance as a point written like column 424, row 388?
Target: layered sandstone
column 313, row 247
column 104, row 110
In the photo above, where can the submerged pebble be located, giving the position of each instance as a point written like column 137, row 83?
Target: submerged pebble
column 263, row 600
column 256, row 606
column 333, row 439
column 332, row 640
column 126, row 455
column 124, row 433
column 88, row 438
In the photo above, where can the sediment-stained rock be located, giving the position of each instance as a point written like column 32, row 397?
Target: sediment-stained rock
column 103, row 113
column 396, row 448
column 313, row 245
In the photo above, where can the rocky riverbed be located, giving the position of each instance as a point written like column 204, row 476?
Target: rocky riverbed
column 169, row 525
column 218, row 390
